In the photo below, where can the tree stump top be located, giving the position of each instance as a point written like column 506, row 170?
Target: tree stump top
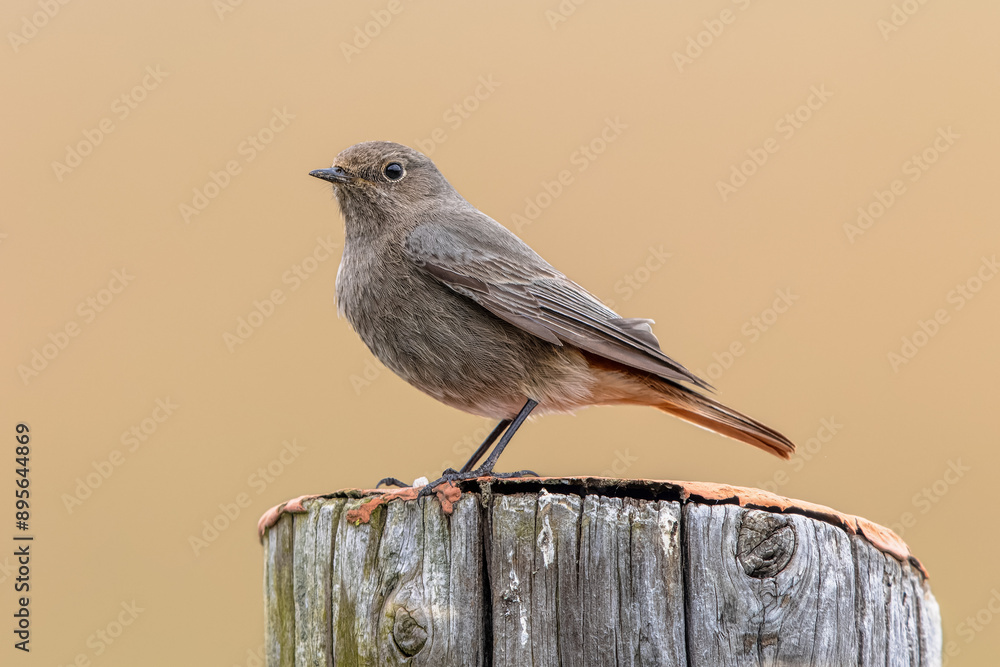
column 709, row 493
column 588, row 571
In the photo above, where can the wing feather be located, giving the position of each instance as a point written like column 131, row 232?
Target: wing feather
column 483, row 261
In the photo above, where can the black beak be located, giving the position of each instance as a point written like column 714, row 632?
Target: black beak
column 334, row 175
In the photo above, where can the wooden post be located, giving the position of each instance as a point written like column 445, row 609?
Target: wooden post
column 589, row 571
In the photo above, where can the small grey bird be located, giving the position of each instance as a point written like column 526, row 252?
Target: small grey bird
column 462, row 309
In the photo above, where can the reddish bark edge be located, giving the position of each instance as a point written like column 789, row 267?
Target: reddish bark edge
column 880, row 537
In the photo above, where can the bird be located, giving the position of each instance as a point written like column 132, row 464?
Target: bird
column 459, row 307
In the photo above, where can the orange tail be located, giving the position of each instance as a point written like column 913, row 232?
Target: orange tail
column 714, row 416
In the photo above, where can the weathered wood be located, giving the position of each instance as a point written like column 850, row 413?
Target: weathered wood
column 312, row 583
column 898, row 619
column 770, row 589
column 406, row 587
column 280, row 610
column 583, row 572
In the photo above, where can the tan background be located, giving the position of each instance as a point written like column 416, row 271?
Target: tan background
column 304, row 376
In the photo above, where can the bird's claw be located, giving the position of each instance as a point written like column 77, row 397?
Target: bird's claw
column 453, row 476
column 392, row 481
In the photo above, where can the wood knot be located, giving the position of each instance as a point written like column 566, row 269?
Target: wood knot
column 765, row 544
column 408, row 632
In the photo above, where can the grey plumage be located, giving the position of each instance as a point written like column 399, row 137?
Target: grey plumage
column 459, row 307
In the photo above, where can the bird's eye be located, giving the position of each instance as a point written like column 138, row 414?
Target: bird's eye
column 393, row 171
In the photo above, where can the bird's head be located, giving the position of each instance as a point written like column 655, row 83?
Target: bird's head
column 382, row 179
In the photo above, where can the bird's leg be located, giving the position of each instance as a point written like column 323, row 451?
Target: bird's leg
column 490, row 439
column 487, row 467
column 483, row 448
column 486, row 470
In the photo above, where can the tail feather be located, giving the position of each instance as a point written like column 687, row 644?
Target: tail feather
column 714, row 416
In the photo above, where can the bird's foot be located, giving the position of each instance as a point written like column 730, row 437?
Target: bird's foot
column 453, row 476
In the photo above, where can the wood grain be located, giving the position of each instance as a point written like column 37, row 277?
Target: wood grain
column 557, row 574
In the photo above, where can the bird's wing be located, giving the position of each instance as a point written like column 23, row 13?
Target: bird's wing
column 486, row 263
